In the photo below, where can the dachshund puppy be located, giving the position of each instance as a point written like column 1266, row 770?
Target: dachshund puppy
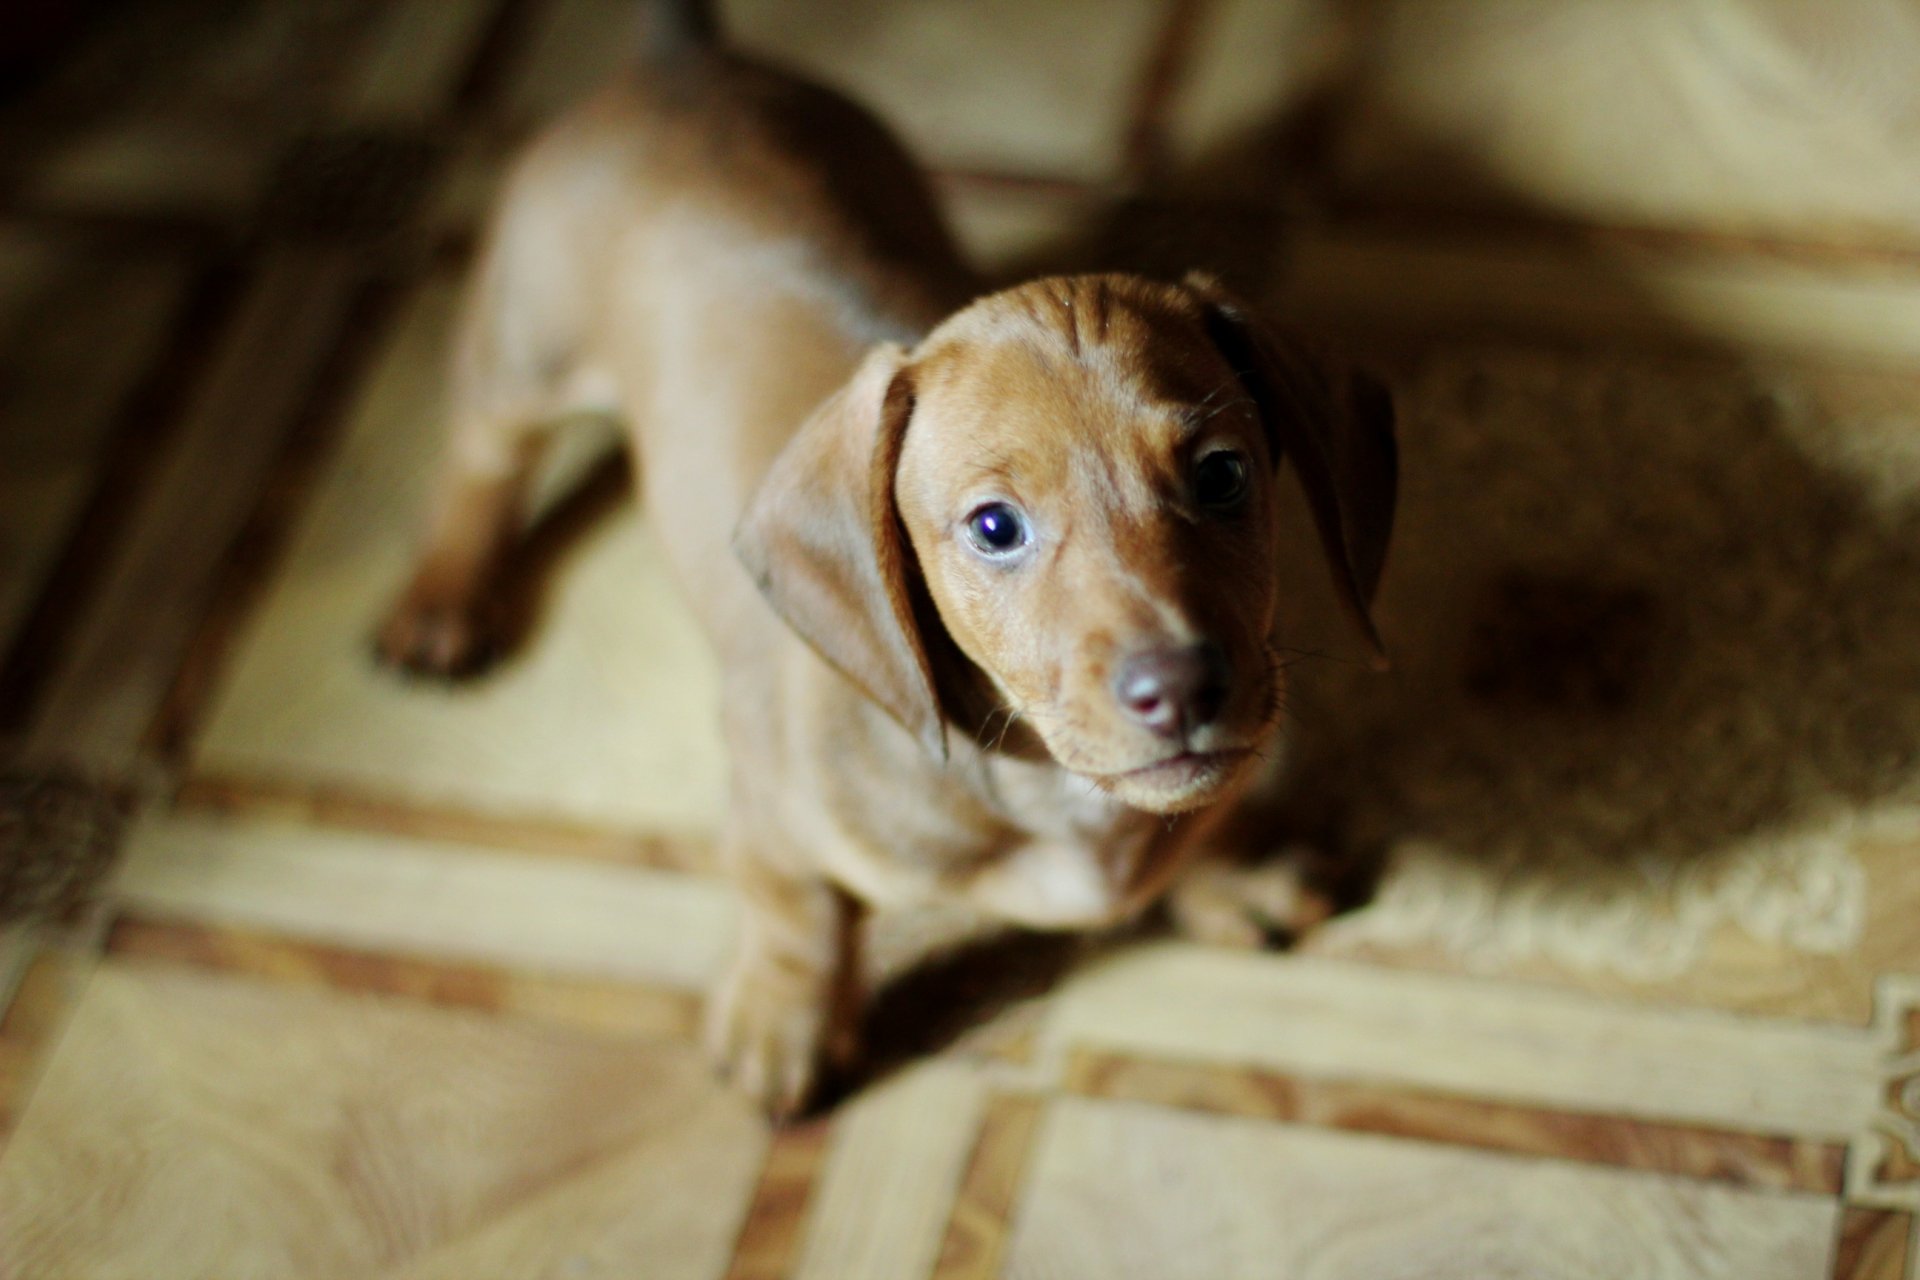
column 991, row 579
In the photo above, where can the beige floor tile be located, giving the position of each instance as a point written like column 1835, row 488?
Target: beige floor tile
column 1251, row 61
column 110, row 683
column 1497, row 1040
column 163, row 166
column 1118, row 1190
column 1003, row 227
column 383, row 893
column 67, row 363
column 1009, row 231
column 411, row 60
column 888, row 1184
column 601, row 1005
column 53, row 973
column 1742, row 116
column 574, row 47
column 468, row 183
column 18, row 941
column 1412, row 281
column 606, row 715
column 1056, row 101
column 1002, row 84
column 194, row 1126
column 181, row 109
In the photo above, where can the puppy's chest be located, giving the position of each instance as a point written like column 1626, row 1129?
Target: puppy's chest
column 1047, row 803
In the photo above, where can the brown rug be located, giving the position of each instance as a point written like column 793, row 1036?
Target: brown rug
column 1656, row 631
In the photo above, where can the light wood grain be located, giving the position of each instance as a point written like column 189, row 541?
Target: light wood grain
column 770, row 1236
column 195, row 1125
column 1408, row 280
column 67, row 364
column 1873, row 1245
column 888, row 1183
column 319, row 804
column 1728, row 116
column 157, row 164
column 1121, row 1191
column 587, row 1004
column 1731, row 114
column 548, row 915
column 1497, row 1040
column 110, row 685
column 607, row 716
column 410, row 60
column 977, row 1231
column 1057, row 101
column 51, row 981
column 1739, row 1159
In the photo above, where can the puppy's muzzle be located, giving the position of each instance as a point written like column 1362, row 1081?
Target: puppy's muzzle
column 1174, row 690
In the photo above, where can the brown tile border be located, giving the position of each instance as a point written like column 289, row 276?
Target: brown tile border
column 104, row 229
column 490, row 67
column 769, row 1241
column 1711, row 1155
column 1872, row 1244
column 147, row 420
column 326, row 805
column 33, row 1019
column 619, row 1008
column 976, row 1238
column 1159, row 87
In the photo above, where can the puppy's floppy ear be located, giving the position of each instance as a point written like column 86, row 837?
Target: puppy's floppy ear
column 823, row 540
column 1337, row 428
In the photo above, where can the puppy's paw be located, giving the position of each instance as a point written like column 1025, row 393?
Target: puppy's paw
column 1250, row 908
column 433, row 633
column 768, row 1039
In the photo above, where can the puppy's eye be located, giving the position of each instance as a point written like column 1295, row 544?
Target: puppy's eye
column 997, row 529
column 1220, row 479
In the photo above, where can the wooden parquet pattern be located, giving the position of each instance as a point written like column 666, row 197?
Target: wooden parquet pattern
column 393, row 981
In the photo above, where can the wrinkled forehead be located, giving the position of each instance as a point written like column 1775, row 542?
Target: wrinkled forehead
column 1132, row 337
column 1029, row 385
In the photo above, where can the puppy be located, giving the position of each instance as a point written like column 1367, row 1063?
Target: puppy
column 990, row 579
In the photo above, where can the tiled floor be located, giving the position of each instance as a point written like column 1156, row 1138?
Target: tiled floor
column 391, row 980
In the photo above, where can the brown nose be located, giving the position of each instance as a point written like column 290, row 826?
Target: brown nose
column 1173, row 691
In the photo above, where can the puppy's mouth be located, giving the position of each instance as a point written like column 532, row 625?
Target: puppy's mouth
column 1172, row 784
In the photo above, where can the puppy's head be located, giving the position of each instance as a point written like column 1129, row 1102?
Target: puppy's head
column 1059, row 511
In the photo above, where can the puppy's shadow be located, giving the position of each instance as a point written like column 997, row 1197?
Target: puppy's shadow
column 1651, row 599
column 963, row 998
column 602, row 484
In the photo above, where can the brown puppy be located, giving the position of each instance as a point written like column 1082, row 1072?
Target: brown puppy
column 991, row 583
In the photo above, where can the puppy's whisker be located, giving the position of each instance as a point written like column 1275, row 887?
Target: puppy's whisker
column 1298, row 655
column 1006, row 726
column 1222, row 407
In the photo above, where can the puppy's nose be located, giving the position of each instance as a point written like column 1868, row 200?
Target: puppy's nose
column 1173, row 691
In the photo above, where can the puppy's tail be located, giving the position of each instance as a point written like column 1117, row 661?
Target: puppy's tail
column 674, row 29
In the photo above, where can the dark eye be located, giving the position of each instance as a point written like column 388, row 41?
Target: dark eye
column 997, row 529
column 1220, row 479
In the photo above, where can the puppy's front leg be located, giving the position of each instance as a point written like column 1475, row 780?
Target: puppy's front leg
column 442, row 624
column 1227, row 903
column 791, row 998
